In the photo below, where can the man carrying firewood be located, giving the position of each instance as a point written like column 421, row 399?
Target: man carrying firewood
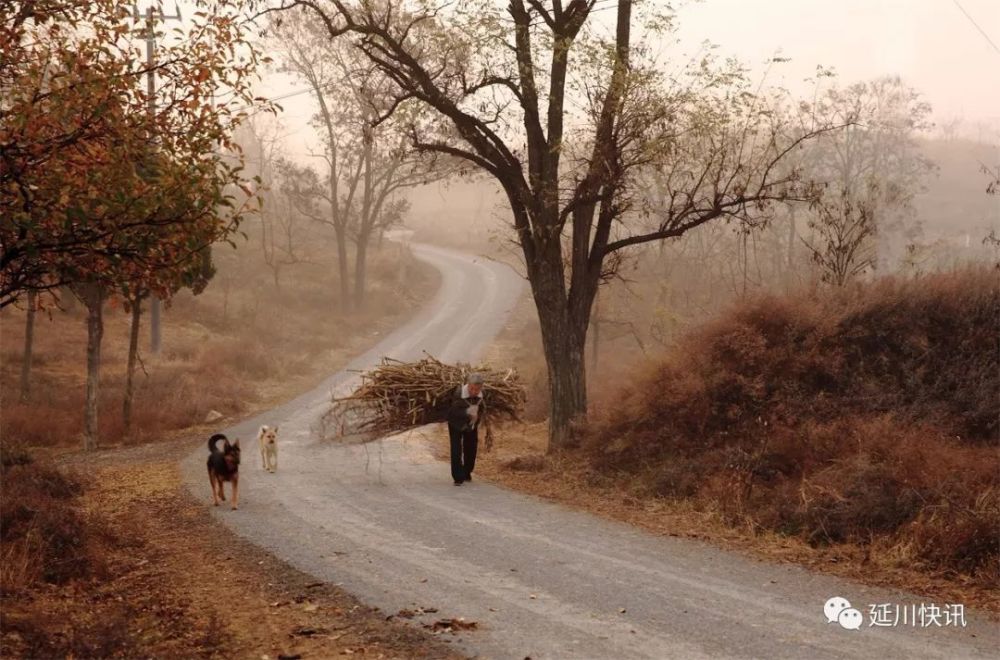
column 466, row 412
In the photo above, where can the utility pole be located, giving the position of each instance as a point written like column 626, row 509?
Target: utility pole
column 153, row 15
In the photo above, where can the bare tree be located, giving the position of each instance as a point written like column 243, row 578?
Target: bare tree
column 842, row 245
column 498, row 82
column 875, row 163
column 373, row 162
column 307, row 55
column 278, row 213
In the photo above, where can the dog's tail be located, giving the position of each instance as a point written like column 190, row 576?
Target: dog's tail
column 215, row 438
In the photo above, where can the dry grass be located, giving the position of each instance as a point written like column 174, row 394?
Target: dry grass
column 520, row 461
column 231, row 350
column 51, row 544
column 869, row 417
column 143, row 588
column 105, row 567
column 43, row 533
column 856, row 432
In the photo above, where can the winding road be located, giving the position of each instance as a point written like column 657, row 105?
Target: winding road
column 384, row 521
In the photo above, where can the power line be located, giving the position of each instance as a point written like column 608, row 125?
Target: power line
column 981, row 30
column 288, row 95
column 299, row 92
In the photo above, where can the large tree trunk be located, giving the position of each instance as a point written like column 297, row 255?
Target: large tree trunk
column 360, row 266
column 366, row 224
column 564, row 356
column 345, row 291
column 93, row 298
column 133, row 351
column 29, row 340
column 564, row 339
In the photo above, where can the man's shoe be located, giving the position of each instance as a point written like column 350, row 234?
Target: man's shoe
column 468, row 477
column 458, row 483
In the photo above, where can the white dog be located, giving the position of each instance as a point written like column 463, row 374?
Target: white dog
column 268, row 439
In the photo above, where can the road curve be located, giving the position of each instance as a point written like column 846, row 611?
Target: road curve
column 384, row 521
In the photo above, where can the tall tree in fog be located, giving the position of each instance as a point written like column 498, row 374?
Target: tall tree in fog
column 871, row 171
column 565, row 118
column 279, row 230
column 368, row 154
column 390, row 163
column 305, row 54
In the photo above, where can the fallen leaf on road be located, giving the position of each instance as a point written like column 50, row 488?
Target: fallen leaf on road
column 452, row 625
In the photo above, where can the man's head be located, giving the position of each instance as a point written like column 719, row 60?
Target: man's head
column 475, row 382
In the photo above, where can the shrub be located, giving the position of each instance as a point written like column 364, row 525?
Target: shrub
column 863, row 415
column 44, row 533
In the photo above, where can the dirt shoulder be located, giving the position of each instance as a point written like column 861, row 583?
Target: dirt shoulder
column 519, row 461
column 159, row 577
column 184, row 586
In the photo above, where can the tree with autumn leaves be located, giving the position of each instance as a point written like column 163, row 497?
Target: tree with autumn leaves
column 103, row 188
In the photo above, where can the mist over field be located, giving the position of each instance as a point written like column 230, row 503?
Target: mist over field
column 540, row 328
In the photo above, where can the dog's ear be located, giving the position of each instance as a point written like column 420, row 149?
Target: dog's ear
column 275, row 429
column 237, row 443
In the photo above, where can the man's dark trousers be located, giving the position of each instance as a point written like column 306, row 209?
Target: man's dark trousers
column 463, row 452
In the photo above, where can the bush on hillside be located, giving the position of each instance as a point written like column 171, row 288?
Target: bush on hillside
column 863, row 415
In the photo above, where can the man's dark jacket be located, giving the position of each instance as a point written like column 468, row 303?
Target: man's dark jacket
column 458, row 413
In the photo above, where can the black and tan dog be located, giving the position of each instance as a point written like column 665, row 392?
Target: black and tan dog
column 224, row 466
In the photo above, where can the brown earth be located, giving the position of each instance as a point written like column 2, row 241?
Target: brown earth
column 146, row 571
column 181, row 585
column 623, row 493
column 519, row 462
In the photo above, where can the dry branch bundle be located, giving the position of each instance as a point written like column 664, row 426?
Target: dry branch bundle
column 396, row 396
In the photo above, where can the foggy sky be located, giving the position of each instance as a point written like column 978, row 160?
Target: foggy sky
column 930, row 43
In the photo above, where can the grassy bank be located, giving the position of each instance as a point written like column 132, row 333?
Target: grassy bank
column 853, row 430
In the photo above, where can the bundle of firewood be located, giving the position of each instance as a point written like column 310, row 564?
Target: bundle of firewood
column 396, row 396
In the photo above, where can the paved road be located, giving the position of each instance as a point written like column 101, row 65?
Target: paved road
column 384, row 521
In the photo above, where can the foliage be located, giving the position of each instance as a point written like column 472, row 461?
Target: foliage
column 100, row 182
